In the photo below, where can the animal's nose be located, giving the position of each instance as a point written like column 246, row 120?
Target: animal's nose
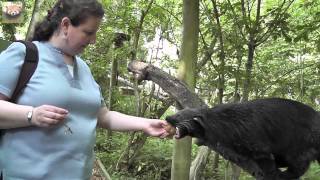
column 170, row 129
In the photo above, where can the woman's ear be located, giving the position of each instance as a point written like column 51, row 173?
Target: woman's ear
column 64, row 26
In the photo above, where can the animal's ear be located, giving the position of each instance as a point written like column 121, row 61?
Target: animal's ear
column 199, row 120
column 198, row 129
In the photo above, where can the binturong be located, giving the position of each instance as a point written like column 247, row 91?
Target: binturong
column 260, row 136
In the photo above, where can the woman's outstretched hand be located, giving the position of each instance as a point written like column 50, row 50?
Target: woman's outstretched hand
column 159, row 128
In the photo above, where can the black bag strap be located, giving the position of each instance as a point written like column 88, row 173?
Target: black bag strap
column 28, row 68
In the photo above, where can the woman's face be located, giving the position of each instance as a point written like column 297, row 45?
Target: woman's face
column 79, row 37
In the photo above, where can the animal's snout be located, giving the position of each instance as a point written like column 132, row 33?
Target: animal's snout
column 170, row 129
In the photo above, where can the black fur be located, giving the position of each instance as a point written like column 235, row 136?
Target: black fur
column 260, row 136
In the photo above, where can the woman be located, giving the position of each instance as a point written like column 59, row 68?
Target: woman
column 50, row 131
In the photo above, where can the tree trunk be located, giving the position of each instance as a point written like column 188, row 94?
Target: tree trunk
column 138, row 31
column 247, row 84
column 182, row 148
column 199, row 163
column 236, row 170
column 252, row 44
column 34, row 19
column 113, row 79
column 118, row 43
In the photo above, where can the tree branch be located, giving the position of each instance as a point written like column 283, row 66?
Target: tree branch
column 176, row 88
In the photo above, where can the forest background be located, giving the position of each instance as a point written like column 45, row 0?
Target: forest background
column 225, row 50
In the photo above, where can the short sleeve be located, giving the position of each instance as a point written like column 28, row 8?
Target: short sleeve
column 103, row 102
column 11, row 61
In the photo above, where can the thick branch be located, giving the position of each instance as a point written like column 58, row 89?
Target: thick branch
column 176, row 88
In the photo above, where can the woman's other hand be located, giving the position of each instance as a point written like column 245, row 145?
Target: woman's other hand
column 48, row 116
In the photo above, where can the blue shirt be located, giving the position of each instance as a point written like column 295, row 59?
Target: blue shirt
column 34, row 153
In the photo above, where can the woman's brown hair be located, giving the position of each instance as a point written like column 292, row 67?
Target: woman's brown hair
column 76, row 10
